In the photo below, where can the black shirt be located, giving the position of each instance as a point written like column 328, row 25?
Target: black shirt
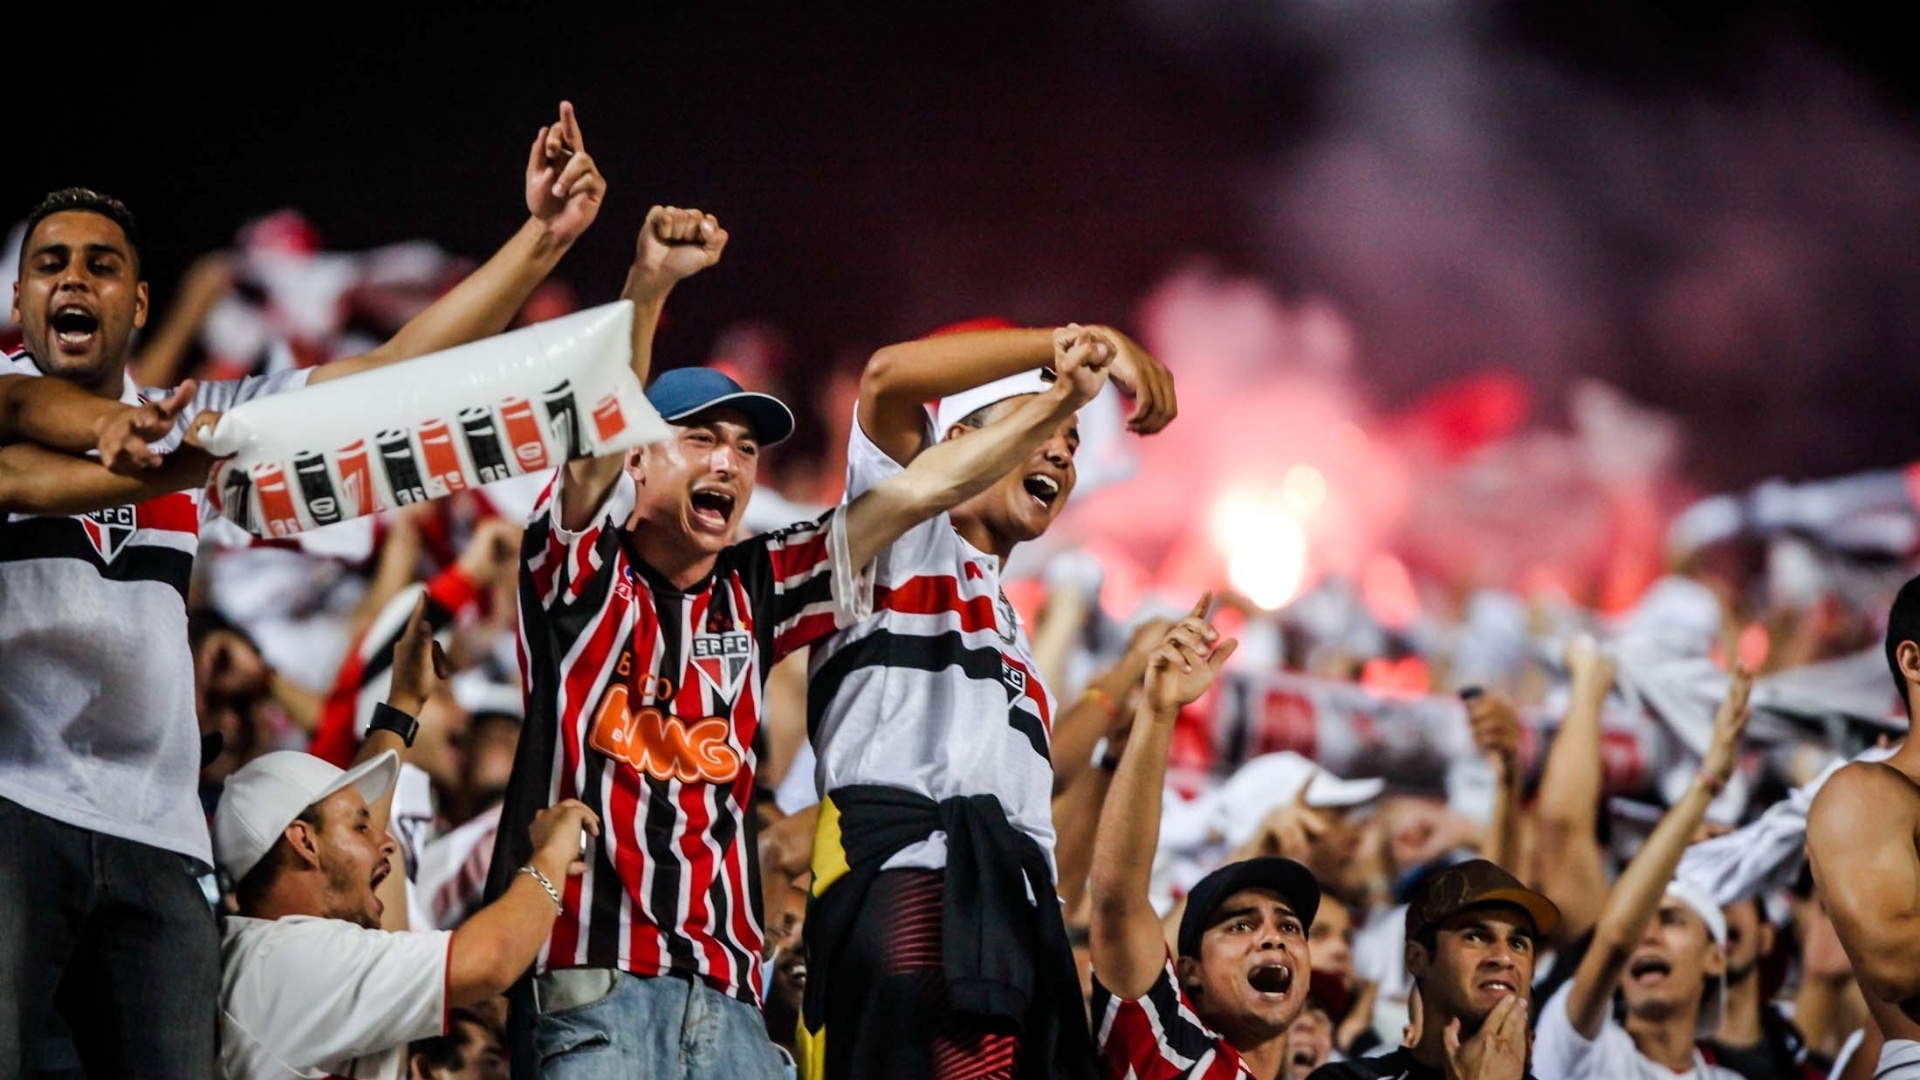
column 1399, row 1065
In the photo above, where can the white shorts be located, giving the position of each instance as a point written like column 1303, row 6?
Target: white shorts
column 1899, row 1060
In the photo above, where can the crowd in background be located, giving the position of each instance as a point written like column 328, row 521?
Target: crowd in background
column 1374, row 746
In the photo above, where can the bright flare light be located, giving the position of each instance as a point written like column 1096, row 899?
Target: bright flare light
column 1304, row 489
column 1265, row 545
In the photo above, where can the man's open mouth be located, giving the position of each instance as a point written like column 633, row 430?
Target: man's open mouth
column 1044, row 489
column 1271, row 979
column 1301, row 1057
column 1649, row 967
column 380, row 872
column 1499, row 985
column 74, row 327
column 713, row 508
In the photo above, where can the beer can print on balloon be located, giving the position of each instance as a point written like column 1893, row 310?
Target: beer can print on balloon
column 508, row 406
column 483, row 444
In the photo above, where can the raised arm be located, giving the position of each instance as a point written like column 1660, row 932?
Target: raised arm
column 163, row 349
column 1861, row 848
column 1496, row 734
column 901, row 379
column 673, row 244
column 1575, row 878
column 1635, row 898
column 564, row 190
column 1128, row 948
column 953, row 471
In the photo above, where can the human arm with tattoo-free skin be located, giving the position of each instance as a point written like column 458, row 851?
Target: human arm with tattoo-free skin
column 59, row 415
column 1568, row 810
column 1496, row 734
column 1635, row 898
column 564, row 190
column 1128, row 947
column 955, row 470
column 674, row 244
column 901, row 379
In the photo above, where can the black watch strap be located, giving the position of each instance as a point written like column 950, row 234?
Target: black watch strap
column 388, row 718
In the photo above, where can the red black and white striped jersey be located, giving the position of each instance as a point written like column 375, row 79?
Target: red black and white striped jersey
column 97, row 722
column 937, row 691
column 1159, row 1037
column 643, row 701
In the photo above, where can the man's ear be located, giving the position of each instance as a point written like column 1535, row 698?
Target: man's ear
column 304, row 838
column 1766, row 936
column 1187, row 969
column 954, row 431
column 1417, row 960
column 1907, row 655
column 637, row 464
column 139, row 304
column 1716, row 964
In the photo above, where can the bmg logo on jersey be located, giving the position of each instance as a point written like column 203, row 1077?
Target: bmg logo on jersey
column 660, row 744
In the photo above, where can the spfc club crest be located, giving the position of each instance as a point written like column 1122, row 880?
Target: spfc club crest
column 109, row 530
column 721, row 658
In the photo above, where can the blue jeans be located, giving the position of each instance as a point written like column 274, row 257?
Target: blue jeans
column 109, row 955
column 660, row 1028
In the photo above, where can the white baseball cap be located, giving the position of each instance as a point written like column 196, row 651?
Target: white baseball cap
column 1713, row 1004
column 266, row 794
column 956, row 407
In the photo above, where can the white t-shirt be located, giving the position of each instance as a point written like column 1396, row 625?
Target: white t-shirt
column 97, row 722
column 936, row 692
column 1559, row 1053
column 307, row 997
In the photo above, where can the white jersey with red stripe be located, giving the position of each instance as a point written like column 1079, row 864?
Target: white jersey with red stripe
column 643, row 701
column 937, row 691
column 97, row 721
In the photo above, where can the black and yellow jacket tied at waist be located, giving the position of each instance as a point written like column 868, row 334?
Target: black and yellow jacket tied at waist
column 1005, row 957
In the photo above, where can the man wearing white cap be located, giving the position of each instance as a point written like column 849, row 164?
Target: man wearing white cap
column 936, row 736
column 1661, row 942
column 310, row 984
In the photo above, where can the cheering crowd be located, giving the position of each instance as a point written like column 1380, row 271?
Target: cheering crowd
column 648, row 766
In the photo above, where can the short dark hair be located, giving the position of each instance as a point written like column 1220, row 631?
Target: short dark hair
column 443, row 1051
column 1903, row 624
column 981, row 416
column 92, row 202
column 250, row 890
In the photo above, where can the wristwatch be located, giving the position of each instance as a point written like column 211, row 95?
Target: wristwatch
column 388, row 718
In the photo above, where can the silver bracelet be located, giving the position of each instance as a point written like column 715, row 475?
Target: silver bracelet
column 558, row 907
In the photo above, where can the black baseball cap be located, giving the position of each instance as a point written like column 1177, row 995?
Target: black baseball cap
column 682, row 392
column 1445, row 893
column 1294, row 883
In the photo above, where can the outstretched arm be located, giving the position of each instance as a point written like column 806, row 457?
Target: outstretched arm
column 673, row 244
column 61, row 416
column 35, row 480
column 1636, row 896
column 1861, row 849
column 954, row 471
column 901, row 379
column 564, row 191
column 1129, row 951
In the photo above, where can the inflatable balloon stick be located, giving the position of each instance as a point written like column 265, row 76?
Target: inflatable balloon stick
column 517, row 403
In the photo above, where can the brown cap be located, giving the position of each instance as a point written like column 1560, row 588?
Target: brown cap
column 1474, row 883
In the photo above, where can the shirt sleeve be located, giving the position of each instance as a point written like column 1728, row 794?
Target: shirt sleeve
column 1559, row 1050
column 565, row 564
column 868, row 465
column 323, row 991
column 803, row 585
column 1156, row 1036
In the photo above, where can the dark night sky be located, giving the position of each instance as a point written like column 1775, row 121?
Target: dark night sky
column 883, row 172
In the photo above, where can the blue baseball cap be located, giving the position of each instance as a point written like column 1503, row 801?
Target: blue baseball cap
column 682, row 392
